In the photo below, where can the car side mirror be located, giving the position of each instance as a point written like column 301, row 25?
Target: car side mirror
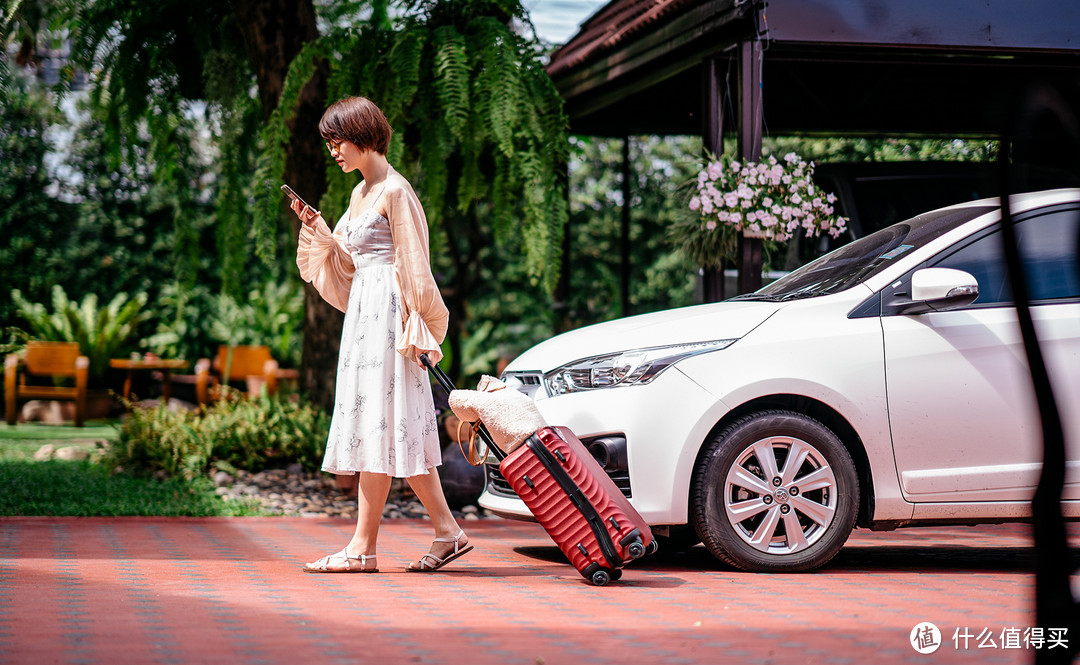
column 940, row 289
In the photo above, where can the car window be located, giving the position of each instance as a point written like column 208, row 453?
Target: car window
column 1048, row 245
column 985, row 260
column 851, row 264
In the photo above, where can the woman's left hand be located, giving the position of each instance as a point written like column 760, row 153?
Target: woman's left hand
column 306, row 213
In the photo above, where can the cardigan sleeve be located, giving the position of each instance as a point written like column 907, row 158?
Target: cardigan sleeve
column 424, row 316
column 324, row 261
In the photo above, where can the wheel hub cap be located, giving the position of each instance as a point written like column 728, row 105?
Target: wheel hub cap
column 780, row 495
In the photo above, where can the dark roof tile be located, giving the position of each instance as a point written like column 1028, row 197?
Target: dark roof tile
column 608, row 27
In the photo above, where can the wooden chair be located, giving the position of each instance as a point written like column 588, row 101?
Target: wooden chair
column 46, row 359
column 250, row 365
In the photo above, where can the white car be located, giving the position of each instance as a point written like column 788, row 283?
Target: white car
column 882, row 385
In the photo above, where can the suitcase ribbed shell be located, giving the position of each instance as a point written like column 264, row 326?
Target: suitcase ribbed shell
column 558, row 514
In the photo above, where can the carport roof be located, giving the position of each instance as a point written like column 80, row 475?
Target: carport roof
column 830, row 67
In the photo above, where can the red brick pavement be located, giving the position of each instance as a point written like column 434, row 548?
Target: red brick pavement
column 170, row 591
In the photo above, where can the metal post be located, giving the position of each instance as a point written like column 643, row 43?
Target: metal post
column 712, row 139
column 624, row 238
column 751, row 124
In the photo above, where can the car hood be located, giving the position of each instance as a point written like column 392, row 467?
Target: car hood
column 700, row 323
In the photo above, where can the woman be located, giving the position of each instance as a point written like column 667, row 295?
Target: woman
column 375, row 267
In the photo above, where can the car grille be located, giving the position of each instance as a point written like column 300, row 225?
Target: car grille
column 525, row 382
column 499, row 486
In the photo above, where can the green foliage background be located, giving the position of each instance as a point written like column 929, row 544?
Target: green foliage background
column 168, row 183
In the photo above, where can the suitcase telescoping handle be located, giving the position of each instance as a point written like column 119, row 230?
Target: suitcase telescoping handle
column 445, row 382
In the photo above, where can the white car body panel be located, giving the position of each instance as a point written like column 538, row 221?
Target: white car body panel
column 759, row 366
column 699, row 323
column 978, row 357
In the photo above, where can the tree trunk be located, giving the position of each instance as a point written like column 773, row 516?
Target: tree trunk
column 274, row 32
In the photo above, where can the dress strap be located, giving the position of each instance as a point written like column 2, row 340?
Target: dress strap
column 378, row 196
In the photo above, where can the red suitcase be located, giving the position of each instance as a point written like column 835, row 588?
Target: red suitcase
column 572, row 498
column 577, row 503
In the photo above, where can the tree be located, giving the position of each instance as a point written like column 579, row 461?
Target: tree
column 32, row 224
column 480, row 126
column 659, row 277
column 150, row 62
column 479, row 130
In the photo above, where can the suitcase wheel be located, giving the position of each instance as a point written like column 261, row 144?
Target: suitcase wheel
column 600, row 578
column 635, row 550
column 653, row 546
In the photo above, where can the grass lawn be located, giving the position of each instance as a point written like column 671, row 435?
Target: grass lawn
column 85, row 488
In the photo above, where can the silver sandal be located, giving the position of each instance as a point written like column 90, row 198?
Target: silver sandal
column 323, row 564
column 430, row 563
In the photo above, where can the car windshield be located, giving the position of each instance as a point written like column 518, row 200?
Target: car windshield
column 851, row 264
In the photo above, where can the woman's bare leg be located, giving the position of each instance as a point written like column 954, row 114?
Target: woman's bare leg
column 371, row 498
column 429, row 491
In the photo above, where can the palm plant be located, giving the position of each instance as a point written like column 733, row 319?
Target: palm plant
column 101, row 332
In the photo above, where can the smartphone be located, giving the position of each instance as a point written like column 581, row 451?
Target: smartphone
column 293, row 195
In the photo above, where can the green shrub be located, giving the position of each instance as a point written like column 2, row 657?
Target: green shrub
column 182, row 314
column 191, row 321
column 250, row 434
column 271, row 315
column 102, row 332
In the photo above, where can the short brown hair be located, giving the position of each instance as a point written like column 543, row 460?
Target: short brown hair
column 358, row 120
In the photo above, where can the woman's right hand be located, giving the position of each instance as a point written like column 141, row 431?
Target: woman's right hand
column 308, row 215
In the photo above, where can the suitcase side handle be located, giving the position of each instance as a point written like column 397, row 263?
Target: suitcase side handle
column 446, row 383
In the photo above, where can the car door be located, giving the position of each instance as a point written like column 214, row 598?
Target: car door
column 962, row 412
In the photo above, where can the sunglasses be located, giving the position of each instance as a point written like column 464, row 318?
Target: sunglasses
column 334, row 146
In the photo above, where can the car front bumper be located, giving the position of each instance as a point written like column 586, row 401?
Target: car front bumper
column 664, row 423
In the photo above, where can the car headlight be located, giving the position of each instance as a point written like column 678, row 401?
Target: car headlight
column 626, row 368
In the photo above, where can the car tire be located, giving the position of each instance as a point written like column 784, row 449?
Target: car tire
column 755, row 513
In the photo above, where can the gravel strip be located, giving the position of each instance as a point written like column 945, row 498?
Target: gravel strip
column 293, row 491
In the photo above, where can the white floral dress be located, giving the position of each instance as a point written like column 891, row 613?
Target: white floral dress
column 384, row 418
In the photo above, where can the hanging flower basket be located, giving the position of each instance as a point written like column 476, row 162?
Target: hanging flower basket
column 767, row 199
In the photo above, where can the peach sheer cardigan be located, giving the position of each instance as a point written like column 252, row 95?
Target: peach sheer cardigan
column 326, row 263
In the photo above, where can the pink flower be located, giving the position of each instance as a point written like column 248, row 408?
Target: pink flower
column 695, row 204
column 711, row 225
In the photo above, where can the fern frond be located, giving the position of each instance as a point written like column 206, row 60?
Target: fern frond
column 452, row 78
column 275, row 137
column 499, row 81
column 405, row 61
